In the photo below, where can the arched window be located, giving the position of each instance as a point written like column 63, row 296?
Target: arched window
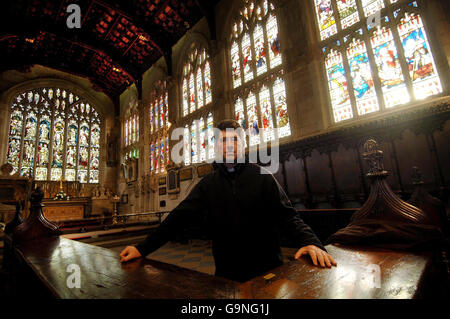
column 196, row 82
column 259, row 88
column 159, row 126
column 376, row 53
column 54, row 134
column 199, row 140
column 131, row 131
column 196, row 95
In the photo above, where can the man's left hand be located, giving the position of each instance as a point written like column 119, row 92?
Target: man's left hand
column 318, row 256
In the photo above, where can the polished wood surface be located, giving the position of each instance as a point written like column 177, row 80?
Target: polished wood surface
column 355, row 277
column 103, row 276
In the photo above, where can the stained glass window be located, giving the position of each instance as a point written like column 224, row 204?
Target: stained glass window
column 159, row 125
column 210, row 137
column 239, row 112
column 54, row 134
column 271, row 116
column 131, row 129
column 187, row 146
column 378, row 66
column 362, row 80
column 325, row 18
column 256, row 52
column 235, row 65
column 282, row 118
column 348, row 12
column 421, row 65
column 194, row 142
column 196, row 84
column 199, row 140
column 337, row 83
column 152, row 158
column 255, row 47
column 389, row 69
column 372, row 6
column 253, row 123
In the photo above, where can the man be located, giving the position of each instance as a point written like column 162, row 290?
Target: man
column 245, row 213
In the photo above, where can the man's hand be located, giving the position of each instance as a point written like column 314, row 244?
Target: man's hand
column 130, row 252
column 316, row 254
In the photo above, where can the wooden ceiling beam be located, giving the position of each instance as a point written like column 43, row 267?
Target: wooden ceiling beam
column 79, row 39
column 137, row 22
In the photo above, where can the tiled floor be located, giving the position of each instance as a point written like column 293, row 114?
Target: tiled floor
column 196, row 255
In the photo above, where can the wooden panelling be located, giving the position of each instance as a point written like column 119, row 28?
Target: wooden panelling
column 319, row 173
column 295, row 176
column 412, row 150
column 346, row 170
column 336, row 172
column 442, row 140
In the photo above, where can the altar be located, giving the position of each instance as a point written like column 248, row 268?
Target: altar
column 63, row 210
column 70, row 200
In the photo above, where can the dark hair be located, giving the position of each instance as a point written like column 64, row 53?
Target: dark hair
column 224, row 124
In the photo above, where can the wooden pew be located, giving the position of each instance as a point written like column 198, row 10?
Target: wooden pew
column 41, row 262
column 402, row 275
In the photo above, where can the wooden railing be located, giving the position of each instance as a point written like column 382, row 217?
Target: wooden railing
column 110, row 221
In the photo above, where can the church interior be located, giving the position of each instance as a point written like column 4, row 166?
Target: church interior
column 352, row 96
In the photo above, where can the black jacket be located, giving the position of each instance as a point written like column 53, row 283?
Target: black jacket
column 245, row 212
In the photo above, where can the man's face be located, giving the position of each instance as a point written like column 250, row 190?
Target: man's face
column 229, row 141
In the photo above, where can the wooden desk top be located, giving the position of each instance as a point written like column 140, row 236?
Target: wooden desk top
column 103, row 276
column 363, row 273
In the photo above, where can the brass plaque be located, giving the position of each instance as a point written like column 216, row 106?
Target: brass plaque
column 185, row 174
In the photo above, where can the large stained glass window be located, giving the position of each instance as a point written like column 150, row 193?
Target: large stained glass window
column 196, row 83
column 385, row 63
column 255, row 46
column 256, row 53
column 54, row 135
column 159, row 125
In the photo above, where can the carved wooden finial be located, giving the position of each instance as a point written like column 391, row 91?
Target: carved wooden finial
column 383, row 203
column 36, row 196
column 36, row 225
column 416, row 176
column 374, row 157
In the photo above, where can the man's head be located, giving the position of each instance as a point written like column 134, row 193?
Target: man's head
column 231, row 141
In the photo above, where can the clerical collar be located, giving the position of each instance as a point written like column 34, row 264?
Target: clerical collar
column 229, row 170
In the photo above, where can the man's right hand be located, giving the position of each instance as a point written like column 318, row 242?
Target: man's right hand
column 130, row 252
